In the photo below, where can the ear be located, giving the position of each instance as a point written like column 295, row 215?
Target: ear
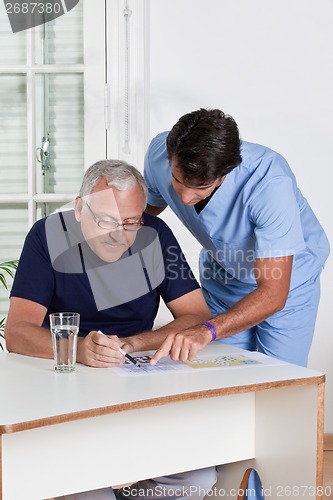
column 78, row 206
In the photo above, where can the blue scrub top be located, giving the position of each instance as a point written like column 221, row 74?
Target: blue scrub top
column 257, row 212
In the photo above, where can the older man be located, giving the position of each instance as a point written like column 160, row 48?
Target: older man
column 111, row 263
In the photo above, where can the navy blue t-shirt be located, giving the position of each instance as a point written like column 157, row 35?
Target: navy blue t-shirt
column 59, row 270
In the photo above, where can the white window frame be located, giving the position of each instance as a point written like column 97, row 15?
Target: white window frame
column 93, row 70
column 104, row 114
column 115, row 113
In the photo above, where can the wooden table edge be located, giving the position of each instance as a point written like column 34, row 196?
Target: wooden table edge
column 160, row 401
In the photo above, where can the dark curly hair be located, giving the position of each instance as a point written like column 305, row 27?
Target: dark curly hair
column 205, row 145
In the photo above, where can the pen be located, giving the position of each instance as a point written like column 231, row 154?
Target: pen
column 127, row 356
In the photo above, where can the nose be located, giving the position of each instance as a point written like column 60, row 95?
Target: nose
column 187, row 195
column 118, row 233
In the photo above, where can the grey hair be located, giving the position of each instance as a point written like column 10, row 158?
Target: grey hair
column 118, row 173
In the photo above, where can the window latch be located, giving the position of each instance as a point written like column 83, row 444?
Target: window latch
column 43, row 154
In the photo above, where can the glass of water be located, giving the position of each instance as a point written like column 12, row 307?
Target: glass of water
column 64, row 330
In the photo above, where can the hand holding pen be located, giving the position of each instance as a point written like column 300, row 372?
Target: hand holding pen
column 127, row 356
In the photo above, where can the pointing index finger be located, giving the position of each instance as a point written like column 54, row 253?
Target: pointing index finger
column 163, row 351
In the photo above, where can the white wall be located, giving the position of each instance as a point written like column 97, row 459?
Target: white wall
column 268, row 63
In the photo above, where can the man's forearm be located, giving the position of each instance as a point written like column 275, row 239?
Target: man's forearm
column 248, row 312
column 31, row 340
column 152, row 340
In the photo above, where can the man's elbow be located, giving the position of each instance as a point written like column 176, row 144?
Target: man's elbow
column 10, row 345
column 279, row 302
column 9, row 339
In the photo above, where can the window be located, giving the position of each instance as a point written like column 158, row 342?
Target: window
column 71, row 93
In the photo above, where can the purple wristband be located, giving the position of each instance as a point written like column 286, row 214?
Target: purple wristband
column 211, row 328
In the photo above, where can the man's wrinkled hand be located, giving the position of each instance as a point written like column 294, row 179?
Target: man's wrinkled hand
column 99, row 351
column 183, row 346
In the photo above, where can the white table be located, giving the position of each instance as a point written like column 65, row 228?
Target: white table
column 129, row 428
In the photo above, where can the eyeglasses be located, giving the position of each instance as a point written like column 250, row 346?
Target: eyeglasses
column 129, row 225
